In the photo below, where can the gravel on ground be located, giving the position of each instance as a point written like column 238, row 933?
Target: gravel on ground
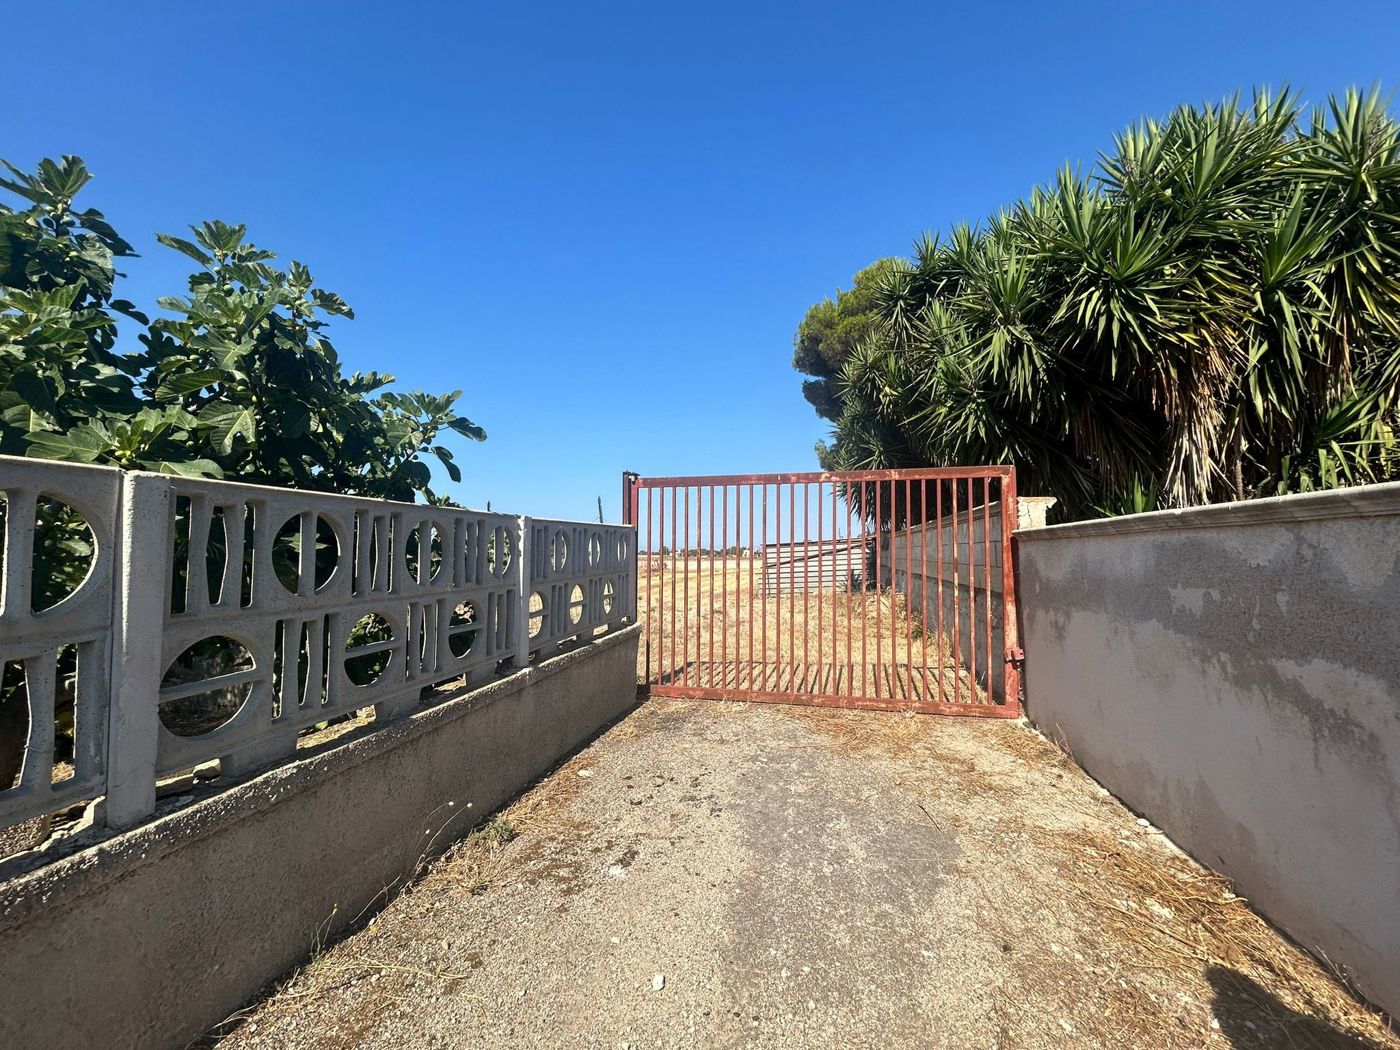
column 746, row 875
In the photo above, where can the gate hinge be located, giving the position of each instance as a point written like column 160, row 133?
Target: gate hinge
column 1016, row 655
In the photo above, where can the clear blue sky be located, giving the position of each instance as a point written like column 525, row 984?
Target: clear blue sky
column 604, row 221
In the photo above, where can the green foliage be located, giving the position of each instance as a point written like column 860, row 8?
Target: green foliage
column 830, row 333
column 58, row 320
column 240, row 380
column 494, row 833
column 1213, row 314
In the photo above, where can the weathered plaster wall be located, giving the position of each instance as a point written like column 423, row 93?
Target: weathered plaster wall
column 1233, row 673
column 155, row 935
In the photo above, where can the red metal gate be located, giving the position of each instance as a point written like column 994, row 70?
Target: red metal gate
column 886, row 589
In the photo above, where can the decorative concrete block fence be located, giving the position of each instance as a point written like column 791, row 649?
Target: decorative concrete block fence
column 217, row 621
column 214, row 623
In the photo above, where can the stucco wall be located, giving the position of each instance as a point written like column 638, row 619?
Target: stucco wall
column 1233, row 673
column 158, row 933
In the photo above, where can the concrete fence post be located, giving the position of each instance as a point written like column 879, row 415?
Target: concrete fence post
column 140, row 601
column 521, row 634
column 1031, row 511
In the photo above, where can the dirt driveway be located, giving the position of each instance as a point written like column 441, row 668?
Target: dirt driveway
column 756, row 876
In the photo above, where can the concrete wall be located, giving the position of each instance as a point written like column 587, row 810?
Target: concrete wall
column 1233, row 673
column 151, row 937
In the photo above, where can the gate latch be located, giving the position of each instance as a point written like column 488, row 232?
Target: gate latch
column 1016, row 656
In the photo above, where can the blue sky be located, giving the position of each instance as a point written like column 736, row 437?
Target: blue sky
column 604, row 221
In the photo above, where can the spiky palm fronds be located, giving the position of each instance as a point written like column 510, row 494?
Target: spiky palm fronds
column 1213, row 313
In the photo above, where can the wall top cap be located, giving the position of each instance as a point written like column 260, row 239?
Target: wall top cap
column 1360, row 501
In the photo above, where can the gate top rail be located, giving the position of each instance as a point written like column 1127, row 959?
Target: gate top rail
column 827, row 476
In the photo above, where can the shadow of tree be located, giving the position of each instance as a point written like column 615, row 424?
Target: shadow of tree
column 1252, row 1017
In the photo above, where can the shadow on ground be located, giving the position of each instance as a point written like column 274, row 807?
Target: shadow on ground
column 1241, row 1003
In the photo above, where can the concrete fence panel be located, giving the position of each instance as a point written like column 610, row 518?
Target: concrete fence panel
column 151, row 937
column 215, row 622
column 56, row 630
column 183, row 634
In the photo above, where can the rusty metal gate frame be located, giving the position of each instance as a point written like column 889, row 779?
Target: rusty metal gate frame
column 881, row 487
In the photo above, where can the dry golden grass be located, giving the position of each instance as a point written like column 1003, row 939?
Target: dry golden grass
column 714, row 626
column 1180, row 917
column 1177, row 919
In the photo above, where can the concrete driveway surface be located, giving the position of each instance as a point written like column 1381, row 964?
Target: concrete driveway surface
column 730, row 875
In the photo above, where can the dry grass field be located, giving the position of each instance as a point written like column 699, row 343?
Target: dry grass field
column 712, row 624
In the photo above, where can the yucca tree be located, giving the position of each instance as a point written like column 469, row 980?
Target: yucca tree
column 1212, row 313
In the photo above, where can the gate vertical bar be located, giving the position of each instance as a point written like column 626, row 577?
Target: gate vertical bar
column 763, row 553
column 710, row 597
column 675, row 532
column 658, row 560
column 724, row 587
column 753, row 598
column 987, row 573
column 879, row 598
column 651, row 563
column 909, row 583
column 699, row 575
column 836, row 644
column 971, row 593
column 807, row 584
column 894, row 592
column 864, row 585
column 956, row 600
column 923, row 582
column 685, row 589
column 938, row 538
column 776, row 585
column 793, row 584
column 836, row 658
column 1010, row 518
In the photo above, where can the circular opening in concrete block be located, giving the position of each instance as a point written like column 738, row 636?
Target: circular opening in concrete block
column 414, row 546
column 64, row 552
column 577, row 601
column 16, row 713
column 608, row 594
column 500, row 552
column 462, row 629
column 218, row 664
column 286, row 552
column 375, row 634
column 537, row 613
column 595, row 550
column 559, row 552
